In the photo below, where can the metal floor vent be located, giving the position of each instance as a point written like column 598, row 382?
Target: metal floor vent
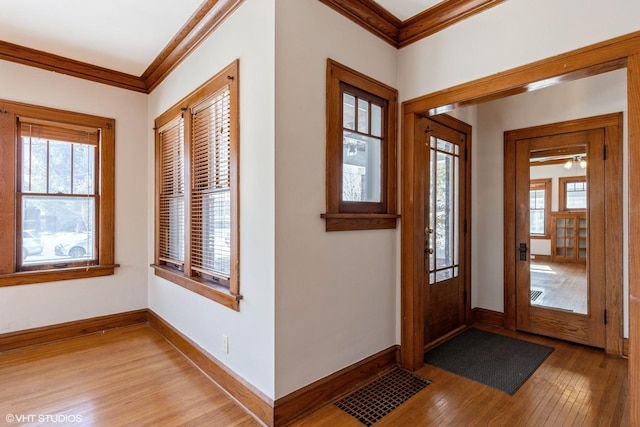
column 375, row 400
column 535, row 295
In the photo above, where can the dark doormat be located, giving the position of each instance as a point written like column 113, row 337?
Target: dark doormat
column 501, row 362
column 375, row 400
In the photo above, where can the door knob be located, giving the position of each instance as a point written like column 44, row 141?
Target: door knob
column 523, row 251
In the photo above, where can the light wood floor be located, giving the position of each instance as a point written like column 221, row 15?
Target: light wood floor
column 132, row 376
column 563, row 285
column 126, row 377
column 575, row 386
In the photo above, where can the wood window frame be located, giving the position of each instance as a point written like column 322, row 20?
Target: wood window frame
column 562, row 190
column 225, row 292
column 546, row 183
column 342, row 215
column 104, row 264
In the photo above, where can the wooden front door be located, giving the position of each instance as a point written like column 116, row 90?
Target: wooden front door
column 444, row 166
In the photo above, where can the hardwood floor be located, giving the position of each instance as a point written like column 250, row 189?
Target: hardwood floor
column 132, row 376
column 563, row 285
column 124, row 377
column 575, row 386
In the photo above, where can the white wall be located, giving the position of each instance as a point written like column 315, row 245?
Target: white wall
column 248, row 34
column 335, row 292
column 508, row 35
column 603, row 94
column 30, row 306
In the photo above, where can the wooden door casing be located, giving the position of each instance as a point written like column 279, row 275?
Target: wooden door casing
column 603, row 223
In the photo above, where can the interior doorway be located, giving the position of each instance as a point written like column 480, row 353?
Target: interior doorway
column 562, row 188
column 619, row 53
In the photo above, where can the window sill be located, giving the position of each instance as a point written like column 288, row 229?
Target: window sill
column 540, row 236
column 54, row 275
column 359, row 221
column 217, row 293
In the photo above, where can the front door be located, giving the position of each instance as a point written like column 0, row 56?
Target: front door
column 560, row 236
column 444, row 232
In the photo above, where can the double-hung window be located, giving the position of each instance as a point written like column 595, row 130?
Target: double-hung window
column 197, row 190
column 540, row 208
column 361, row 151
column 573, row 193
column 58, row 194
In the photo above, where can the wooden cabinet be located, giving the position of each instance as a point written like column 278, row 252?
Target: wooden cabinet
column 569, row 236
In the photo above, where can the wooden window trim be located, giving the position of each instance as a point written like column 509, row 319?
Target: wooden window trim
column 229, row 296
column 9, row 112
column 202, row 287
column 359, row 215
column 562, row 190
column 547, row 207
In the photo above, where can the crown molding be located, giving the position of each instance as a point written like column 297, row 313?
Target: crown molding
column 205, row 20
column 202, row 23
column 372, row 17
column 59, row 64
column 369, row 15
column 366, row 13
column 439, row 17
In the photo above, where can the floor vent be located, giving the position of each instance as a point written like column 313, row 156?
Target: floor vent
column 375, row 400
column 535, row 295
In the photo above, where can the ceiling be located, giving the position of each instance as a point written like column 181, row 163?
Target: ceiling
column 120, row 35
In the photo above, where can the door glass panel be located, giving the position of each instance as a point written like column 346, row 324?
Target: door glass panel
column 442, row 234
column 558, row 265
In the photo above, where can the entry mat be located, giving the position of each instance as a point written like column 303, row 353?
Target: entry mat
column 372, row 402
column 501, row 362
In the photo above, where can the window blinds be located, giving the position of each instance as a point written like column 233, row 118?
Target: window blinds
column 171, row 209
column 211, row 186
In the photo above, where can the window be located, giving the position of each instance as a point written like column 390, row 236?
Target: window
column 540, row 208
column 361, row 151
column 197, row 190
column 59, row 167
column 573, row 193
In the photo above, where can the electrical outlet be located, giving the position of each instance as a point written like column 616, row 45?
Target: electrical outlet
column 225, row 343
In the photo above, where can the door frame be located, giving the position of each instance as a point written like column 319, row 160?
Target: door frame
column 612, row 125
column 609, row 55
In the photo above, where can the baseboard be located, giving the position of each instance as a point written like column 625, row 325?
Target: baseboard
column 76, row 328
column 284, row 411
column 489, row 317
column 307, row 399
column 256, row 402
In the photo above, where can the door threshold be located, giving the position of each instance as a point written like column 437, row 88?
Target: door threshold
column 445, row 337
